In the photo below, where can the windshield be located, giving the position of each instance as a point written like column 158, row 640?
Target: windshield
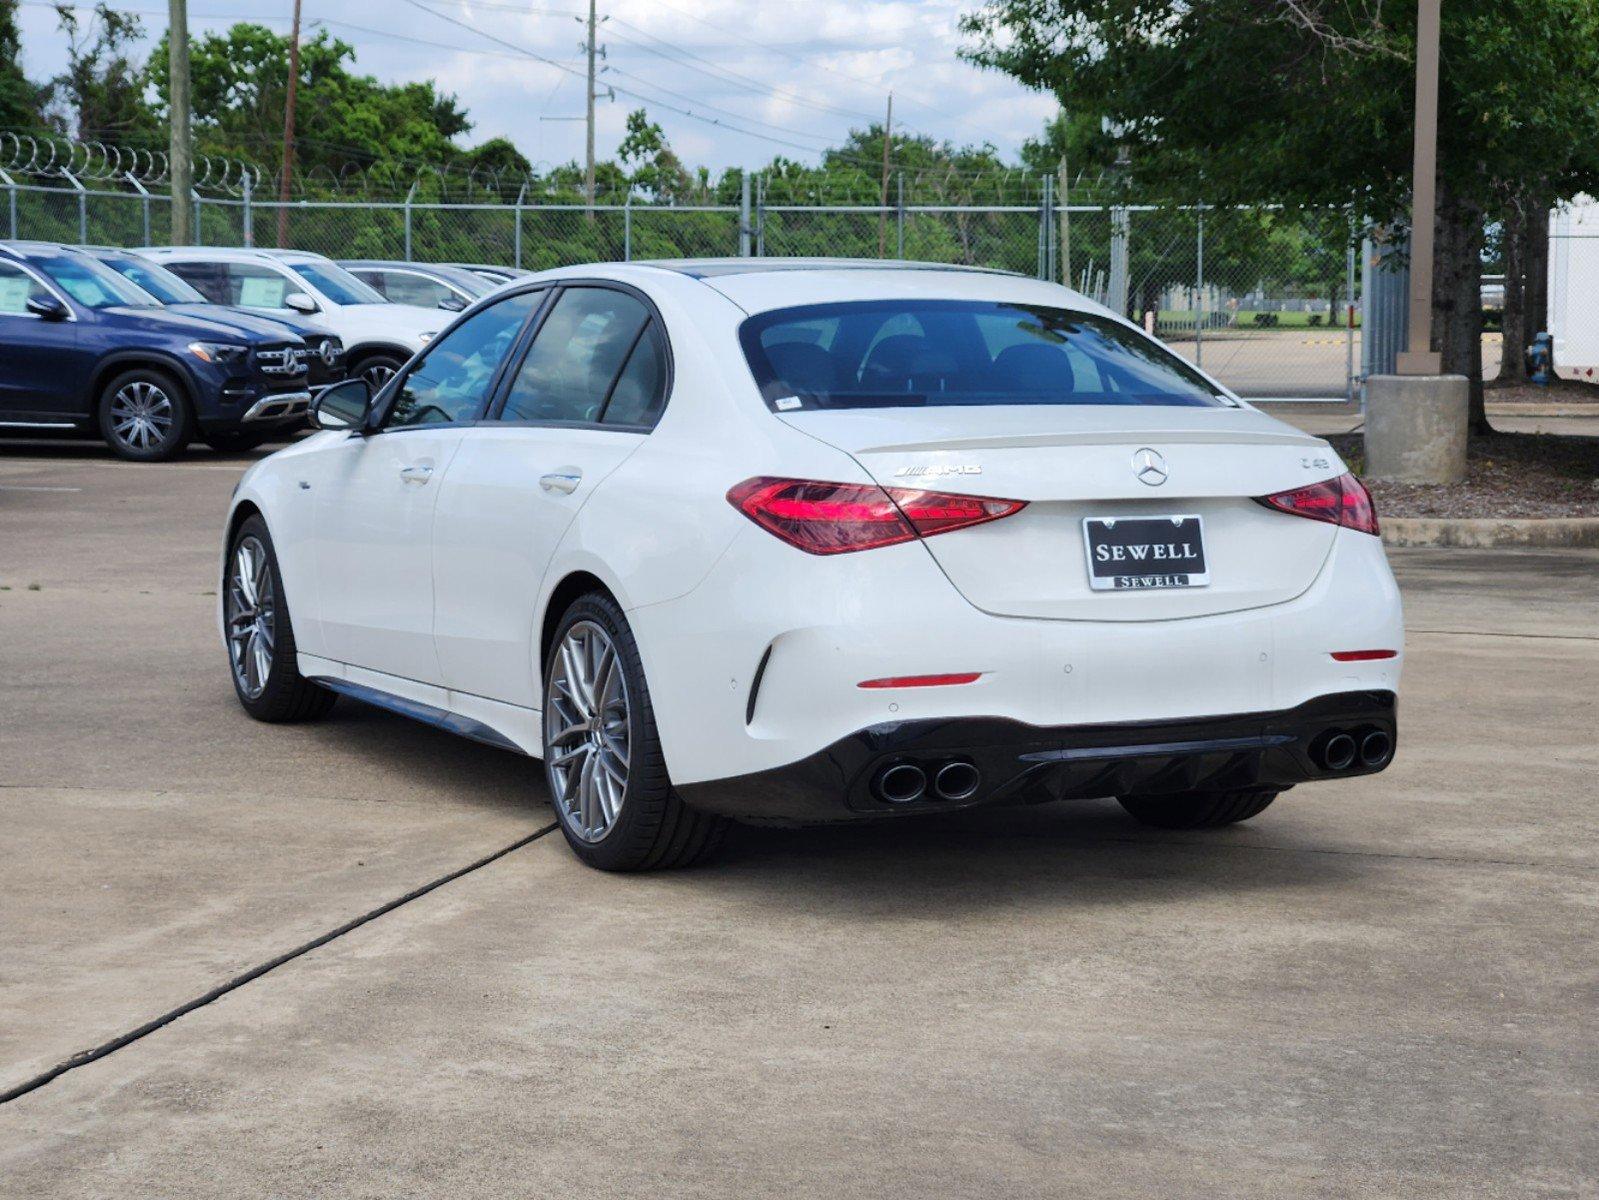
column 91, row 284
column 158, row 281
column 919, row 353
column 337, row 284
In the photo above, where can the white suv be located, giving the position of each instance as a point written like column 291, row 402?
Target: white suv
column 378, row 336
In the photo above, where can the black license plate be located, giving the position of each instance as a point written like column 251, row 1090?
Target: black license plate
column 1145, row 552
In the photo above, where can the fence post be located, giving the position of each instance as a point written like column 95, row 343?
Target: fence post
column 1116, row 284
column 83, row 206
column 144, row 202
column 899, row 212
column 11, row 189
column 249, row 220
column 199, row 212
column 744, row 215
column 1046, row 266
column 516, row 241
column 1199, row 296
column 1349, row 310
column 627, row 226
column 760, row 216
column 408, row 197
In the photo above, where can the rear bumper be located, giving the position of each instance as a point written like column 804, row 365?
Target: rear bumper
column 1024, row 764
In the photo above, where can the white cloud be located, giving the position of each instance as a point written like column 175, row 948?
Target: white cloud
column 809, row 69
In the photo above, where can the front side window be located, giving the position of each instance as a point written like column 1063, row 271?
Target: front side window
column 926, row 353
column 334, row 282
column 17, row 287
column 404, row 287
column 580, row 349
column 253, row 286
column 451, row 381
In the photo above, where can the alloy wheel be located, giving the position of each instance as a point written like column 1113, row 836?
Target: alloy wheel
column 142, row 416
column 377, row 374
column 586, row 738
column 251, row 614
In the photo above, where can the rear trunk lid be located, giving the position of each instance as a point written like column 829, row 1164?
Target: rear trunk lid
column 1089, row 463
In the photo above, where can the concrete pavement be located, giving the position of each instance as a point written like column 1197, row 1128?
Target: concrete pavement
column 1384, row 987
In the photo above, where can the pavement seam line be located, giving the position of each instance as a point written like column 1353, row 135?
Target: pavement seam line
column 1500, row 633
column 84, row 1057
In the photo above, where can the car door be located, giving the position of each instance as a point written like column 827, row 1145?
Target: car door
column 581, row 399
column 376, row 496
column 41, row 383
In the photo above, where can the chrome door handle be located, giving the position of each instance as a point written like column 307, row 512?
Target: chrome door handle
column 564, row 482
column 416, row 474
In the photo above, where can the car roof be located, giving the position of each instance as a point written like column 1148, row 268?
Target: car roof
column 233, row 253
column 714, row 268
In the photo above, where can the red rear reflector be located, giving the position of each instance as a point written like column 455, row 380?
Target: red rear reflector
column 836, row 518
column 910, row 681
column 1343, row 501
column 1363, row 655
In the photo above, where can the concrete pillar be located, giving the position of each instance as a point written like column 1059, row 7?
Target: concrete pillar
column 1416, row 428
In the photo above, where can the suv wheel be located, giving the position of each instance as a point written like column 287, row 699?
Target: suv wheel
column 145, row 416
column 378, row 369
column 602, row 754
column 260, row 637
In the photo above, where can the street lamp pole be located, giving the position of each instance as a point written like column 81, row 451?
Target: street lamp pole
column 1419, row 357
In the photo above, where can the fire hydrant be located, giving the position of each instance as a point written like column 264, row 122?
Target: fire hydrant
column 1540, row 356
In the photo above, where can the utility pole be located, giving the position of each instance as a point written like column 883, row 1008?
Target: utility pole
column 288, row 129
column 588, row 167
column 1420, row 358
column 180, row 148
column 882, row 216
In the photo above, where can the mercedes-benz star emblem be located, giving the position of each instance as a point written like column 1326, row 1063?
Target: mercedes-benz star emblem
column 1149, row 466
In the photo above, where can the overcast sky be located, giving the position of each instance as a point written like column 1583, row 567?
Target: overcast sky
column 782, row 76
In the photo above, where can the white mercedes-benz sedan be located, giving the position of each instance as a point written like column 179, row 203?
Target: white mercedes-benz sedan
column 794, row 541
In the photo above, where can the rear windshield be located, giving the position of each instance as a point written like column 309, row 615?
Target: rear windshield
column 919, row 353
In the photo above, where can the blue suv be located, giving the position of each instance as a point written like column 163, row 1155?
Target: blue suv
column 82, row 350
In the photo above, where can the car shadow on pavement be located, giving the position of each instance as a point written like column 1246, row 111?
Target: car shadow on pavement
column 1089, row 851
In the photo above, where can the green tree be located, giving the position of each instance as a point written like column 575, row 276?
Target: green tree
column 345, row 121
column 19, row 98
column 101, row 94
column 1244, row 101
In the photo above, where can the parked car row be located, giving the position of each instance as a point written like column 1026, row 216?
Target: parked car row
column 151, row 349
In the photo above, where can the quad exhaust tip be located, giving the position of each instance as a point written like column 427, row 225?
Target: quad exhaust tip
column 901, row 783
column 957, row 781
column 1339, row 752
column 1375, row 748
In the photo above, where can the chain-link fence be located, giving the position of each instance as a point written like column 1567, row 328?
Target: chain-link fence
column 1264, row 299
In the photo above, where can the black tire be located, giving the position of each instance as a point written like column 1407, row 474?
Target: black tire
column 286, row 695
column 236, row 441
column 167, row 425
column 653, row 829
column 1197, row 810
column 376, row 368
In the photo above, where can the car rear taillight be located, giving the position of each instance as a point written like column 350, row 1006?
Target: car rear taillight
column 836, row 518
column 1343, row 501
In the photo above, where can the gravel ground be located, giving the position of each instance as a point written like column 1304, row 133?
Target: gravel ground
column 1507, row 475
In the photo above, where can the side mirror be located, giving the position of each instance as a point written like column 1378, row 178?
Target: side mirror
column 452, row 304
column 47, row 308
column 300, row 303
column 342, row 405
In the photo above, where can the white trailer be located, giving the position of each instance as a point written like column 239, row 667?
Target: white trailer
column 1574, row 286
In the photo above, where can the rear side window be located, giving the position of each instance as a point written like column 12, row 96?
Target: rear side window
column 205, row 278
column 403, row 287
column 580, row 351
column 925, row 353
